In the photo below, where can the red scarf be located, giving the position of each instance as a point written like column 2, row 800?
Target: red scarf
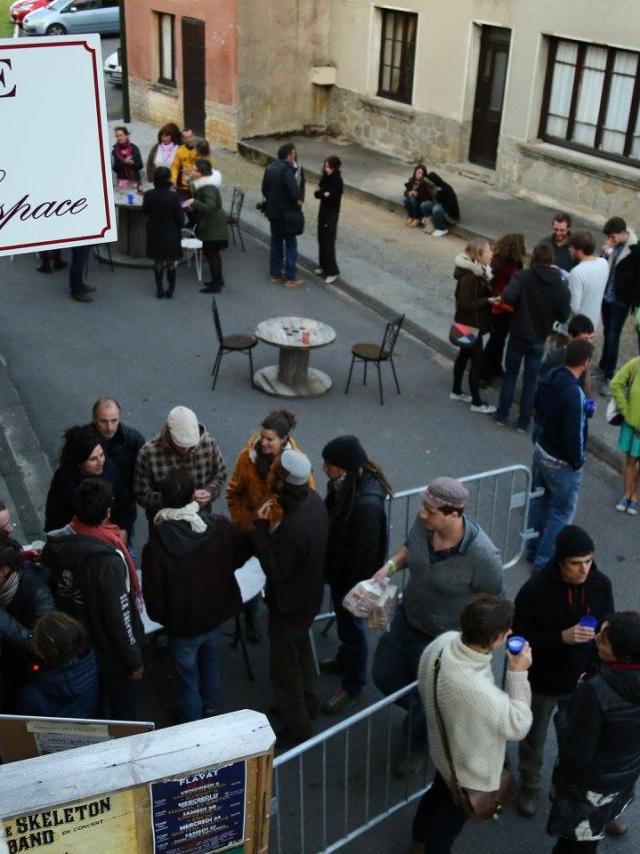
column 124, row 151
column 110, row 533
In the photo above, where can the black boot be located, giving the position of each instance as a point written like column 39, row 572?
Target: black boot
column 171, row 276
column 158, row 272
column 45, row 267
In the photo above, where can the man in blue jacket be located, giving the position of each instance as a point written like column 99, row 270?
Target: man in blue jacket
column 284, row 198
column 558, row 456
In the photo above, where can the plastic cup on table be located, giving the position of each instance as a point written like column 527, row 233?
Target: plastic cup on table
column 129, row 198
column 589, row 622
column 515, row 644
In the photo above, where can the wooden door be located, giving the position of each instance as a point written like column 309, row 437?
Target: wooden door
column 487, row 109
column 193, row 74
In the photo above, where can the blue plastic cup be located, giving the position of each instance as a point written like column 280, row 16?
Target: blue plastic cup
column 129, row 198
column 588, row 622
column 515, row 644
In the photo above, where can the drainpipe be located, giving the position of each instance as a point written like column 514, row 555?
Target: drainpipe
column 126, row 110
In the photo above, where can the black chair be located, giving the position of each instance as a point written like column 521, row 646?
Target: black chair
column 237, row 201
column 377, row 353
column 236, row 343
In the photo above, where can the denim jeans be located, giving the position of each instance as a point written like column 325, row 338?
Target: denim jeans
column 196, row 662
column 79, row 258
column 436, row 212
column 289, row 256
column 613, row 317
column 412, row 207
column 395, row 665
column 353, row 650
column 556, row 508
column 532, row 354
column 438, row 820
column 532, row 745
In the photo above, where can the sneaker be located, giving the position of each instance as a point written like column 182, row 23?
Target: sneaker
column 500, row 422
column 412, row 223
column 81, row 297
column 605, row 391
column 465, row 398
column 319, row 271
column 293, row 283
column 521, row 429
column 277, row 280
column 632, row 508
column 340, row 702
column 622, row 505
column 330, row 280
column 527, row 802
column 440, row 232
column 484, row 408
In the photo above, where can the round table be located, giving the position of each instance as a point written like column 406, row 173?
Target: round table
column 292, row 376
column 130, row 249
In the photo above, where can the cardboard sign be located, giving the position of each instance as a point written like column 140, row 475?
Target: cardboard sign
column 56, row 187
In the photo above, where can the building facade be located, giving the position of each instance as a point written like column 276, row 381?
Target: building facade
column 544, row 95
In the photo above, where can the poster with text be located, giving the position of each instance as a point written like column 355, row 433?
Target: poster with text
column 56, row 188
column 201, row 812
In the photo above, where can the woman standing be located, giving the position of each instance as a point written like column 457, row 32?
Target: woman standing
column 416, row 191
column 598, row 730
column 211, row 220
column 329, row 192
column 164, row 151
column 625, row 389
column 126, row 160
column 166, row 218
column 473, row 308
column 508, row 257
column 356, row 495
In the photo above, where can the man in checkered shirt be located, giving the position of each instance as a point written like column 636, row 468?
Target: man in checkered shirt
column 182, row 443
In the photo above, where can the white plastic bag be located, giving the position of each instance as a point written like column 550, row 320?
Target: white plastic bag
column 376, row 603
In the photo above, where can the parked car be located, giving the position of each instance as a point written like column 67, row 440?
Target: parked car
column 20, row 8
column 74, row 16
column 113, row 68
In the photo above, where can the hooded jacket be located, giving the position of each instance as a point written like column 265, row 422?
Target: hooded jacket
column 158, row 457
column 626, row 265
column 625, row 389
column 561, row 420
column 540, row 298
column 598, row 730
column 70, row 691
column 445, row 195
column 188, row 577
column 357, row 543
column 544, row 607
column 90, row 581
column 211, row 220
column 472, row 293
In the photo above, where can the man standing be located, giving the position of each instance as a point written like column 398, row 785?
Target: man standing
column 284, row 198
column 540, row 298
column 450, row 559
column 182, row 443
column 121, row 444
column 95, row 581
column 558, row 456
column 559, row 240
column 293, row 560
column 189, row 587
column 183, row 164
column 79, row 291
column 558, row 611
column 588, row 278
column 621, row 293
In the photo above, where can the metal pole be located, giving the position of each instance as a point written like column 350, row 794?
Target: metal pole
column 126, row 110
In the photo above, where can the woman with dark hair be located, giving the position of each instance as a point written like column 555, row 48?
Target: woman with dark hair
column 251, row 483
column 356, row 495
column 164, row 151
column 508, row 257
column 598, row 730
column 329, row 192
column 166, row 218
column 211, row 220
column 126, row 160
column 64, row 682
column 416, row 191
column 82, row 456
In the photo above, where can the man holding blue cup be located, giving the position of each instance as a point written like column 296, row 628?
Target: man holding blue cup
column 558, row 610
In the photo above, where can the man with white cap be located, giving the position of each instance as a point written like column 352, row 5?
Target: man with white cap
column 292, row 557
column 450, row 559
column 182, row 443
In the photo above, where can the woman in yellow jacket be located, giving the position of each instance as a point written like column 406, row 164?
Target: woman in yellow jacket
column 625, row 389
column 250, row 484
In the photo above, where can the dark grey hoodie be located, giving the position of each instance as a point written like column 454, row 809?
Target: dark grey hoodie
column 540, row 298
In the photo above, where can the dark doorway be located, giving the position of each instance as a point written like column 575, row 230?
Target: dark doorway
column 487, row 109
column 193, row 76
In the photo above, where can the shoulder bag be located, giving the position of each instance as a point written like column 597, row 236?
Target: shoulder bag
column 477, row 805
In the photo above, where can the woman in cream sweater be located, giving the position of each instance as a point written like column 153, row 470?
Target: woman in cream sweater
column 479, row 717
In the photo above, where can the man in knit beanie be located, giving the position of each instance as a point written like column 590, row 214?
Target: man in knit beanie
column 558, row 610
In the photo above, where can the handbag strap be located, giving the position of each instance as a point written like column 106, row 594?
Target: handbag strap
column 441, row 727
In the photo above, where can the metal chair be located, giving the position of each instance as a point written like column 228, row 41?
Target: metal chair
column 377, row 353
column 236, row 343
column 237, row 201
column 193, row 245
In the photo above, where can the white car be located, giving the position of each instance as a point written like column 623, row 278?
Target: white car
column 113, row 68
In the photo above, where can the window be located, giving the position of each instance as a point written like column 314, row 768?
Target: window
column 591, row 99
column 397, row 53
column 166, row 51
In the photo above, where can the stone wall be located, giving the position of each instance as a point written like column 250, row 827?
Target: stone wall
column 397, row 129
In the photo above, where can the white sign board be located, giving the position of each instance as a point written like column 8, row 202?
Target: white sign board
column 56, row 188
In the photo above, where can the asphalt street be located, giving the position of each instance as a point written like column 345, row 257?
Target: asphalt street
column 153, row 354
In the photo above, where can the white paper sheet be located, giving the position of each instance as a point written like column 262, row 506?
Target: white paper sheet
column 251, row 579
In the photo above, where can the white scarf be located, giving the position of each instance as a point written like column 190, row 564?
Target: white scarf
column 182, row 514
column 165, row 154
